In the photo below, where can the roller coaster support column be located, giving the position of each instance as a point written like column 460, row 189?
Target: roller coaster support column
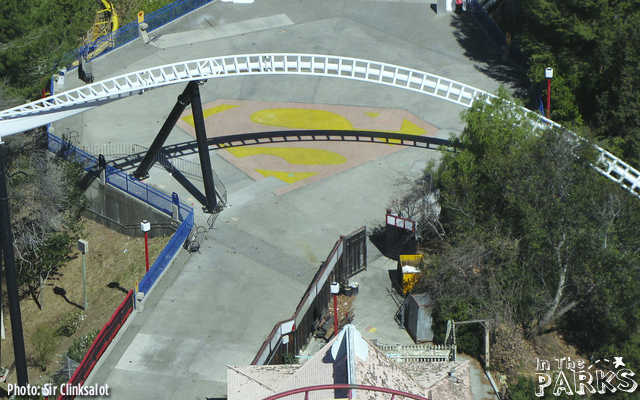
column 12, row 282
column 203, row 150
column 183, row 101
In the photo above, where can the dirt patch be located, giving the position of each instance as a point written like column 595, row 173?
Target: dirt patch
column 551, row 346
column 114, row 263
column 517, row 357
column 345, row 312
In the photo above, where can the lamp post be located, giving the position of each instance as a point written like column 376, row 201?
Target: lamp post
column 335, row 289
column 83, row 246
column 548, row 73
column 146, row 227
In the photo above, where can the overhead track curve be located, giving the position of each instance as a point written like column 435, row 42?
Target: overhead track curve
column 87, row 97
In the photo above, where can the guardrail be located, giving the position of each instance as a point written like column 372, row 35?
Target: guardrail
column 129, row 32
column 167, row 254
column 419, row 353
column 154, row 198
column 84, row 98
column 100, row 344
column 140, row 190
column 313, row 303
column 130, row 153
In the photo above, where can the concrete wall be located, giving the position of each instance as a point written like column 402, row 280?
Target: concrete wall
column 123, row 213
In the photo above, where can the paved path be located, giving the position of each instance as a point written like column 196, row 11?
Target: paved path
column 216, row 307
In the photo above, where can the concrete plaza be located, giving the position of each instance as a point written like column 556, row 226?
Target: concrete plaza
column 216, row 307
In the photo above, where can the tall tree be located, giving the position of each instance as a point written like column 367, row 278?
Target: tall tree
column 534, row 235
column 37, row 37
column 594, row 48
column 46, row 202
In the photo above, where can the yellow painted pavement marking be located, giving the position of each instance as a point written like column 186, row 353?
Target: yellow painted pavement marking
column 287, row 177
column 210, row 111
column 296, row 155
column 408, row 128
column 296, row 118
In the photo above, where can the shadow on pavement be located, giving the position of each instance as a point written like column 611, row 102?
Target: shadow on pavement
column 392, row 242
column 492, row 62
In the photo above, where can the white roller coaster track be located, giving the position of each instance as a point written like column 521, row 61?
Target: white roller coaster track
column 75, row 101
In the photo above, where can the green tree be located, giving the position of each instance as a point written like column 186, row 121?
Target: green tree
column 594, row 48
column 46, row 204
column 534, row 235
column 36, row 38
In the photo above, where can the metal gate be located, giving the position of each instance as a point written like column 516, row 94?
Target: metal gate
column 354, row 255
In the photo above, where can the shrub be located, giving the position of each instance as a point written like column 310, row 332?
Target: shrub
column 80, row 346
column 70, row 323
column 44, row 340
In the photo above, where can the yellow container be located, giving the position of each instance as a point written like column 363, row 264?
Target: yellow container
column 409, row 271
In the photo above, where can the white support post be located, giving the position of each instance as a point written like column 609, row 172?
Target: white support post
column 444, row 6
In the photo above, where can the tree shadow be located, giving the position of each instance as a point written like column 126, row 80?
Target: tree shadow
column 116, row 285
column 492, row 61
column 392, row 241
column 63, row 293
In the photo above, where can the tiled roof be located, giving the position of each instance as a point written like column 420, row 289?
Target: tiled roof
column 424, row 379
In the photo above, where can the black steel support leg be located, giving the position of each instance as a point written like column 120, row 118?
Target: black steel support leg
column 203, row 152
column 12, row 282
column 183, row 101
column 182, row 180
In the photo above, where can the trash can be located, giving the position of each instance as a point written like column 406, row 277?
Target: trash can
column 354, row 288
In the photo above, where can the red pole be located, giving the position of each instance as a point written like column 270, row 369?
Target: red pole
column 548, row 97
column 335, row 314
column 146, row 248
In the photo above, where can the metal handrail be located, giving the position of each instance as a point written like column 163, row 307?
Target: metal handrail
column 344, row 386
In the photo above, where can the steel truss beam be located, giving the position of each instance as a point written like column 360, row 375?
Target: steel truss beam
column 71, row 102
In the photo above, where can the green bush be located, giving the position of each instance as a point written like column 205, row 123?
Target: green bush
column 80, row 346
column 289, row 358
column 70, row 323
column 44, row 340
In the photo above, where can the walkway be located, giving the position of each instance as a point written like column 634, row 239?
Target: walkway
column 215, row 307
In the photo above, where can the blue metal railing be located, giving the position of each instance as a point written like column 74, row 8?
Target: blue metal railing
column 129, row 32
column 140, row 190
column 165, row 257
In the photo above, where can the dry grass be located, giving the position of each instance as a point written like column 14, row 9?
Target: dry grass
column 113, row 265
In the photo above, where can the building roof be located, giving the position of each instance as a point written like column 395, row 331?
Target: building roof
column 349, row 358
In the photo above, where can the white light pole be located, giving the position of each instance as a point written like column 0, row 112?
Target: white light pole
column 548, row 73
column 146, row 227
column 83, row 246
column 335, row 289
